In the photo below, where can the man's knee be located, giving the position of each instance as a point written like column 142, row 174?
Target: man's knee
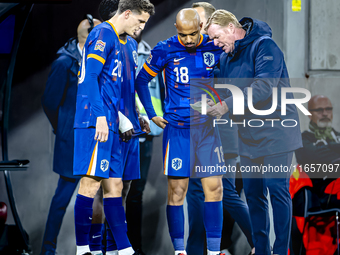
column 177, row 190
column 89, row 186
column 213, row 189
column 112, row 187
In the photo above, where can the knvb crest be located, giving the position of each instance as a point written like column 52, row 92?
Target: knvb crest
column 104, row 165
column 209, row 59
column 176, row 164
column 135, row 57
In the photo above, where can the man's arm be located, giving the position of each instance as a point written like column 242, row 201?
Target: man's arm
column 55, row 89
column 96, row 58
column 153, row 65
column 269, row 62
column 319, row 153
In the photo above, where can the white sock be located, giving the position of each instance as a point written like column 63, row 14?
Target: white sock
column 97, row 252
column 213, row 252
column 179, row 252
column 126, row 251
column 112, row 252
column 83, row 249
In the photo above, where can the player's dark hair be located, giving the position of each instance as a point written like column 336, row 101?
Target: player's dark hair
column 90, row 20
column 138, row 6
column 107, row 9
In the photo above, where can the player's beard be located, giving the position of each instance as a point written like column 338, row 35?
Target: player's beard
column 191, row 49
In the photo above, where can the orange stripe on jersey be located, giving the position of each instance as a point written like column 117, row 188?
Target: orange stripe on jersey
column 201, row 40
column 166, row 159
column 152, row 73
column 179, row 39
column 92, row 159
column 99, row 58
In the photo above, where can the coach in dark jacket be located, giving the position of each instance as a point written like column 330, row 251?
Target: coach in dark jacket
column 252, row 59
column 59, row 103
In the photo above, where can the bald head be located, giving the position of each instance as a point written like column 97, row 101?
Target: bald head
column 316, row 100
column 322, row 111
column 82, row 31
column 188, row 26
column 188, row 18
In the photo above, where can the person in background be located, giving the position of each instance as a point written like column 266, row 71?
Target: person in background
column 59, row 104
column 321, row 145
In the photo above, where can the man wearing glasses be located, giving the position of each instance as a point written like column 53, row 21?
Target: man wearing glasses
column 321, row 146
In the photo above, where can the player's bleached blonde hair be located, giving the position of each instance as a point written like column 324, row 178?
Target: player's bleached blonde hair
column 222, row 18
column 208, row 8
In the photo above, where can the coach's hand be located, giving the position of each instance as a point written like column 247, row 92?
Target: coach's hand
column 218, row 110
column 102, row 129
column 159, row 121
column 126, row 136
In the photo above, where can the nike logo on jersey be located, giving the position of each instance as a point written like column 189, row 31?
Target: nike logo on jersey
column 177, row 60
column 96, row 236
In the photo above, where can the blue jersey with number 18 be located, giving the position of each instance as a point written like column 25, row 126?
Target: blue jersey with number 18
column 99, row 92
column 188, row 75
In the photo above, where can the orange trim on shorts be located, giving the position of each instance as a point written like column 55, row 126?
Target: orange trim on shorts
column 165, row 158
column 92, row 158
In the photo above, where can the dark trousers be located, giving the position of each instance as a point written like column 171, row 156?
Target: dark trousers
column 232, row 203
column 59, row 203
column 256, row 186
column 134, row 201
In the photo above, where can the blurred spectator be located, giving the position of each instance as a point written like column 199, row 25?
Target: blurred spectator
column 59, row 103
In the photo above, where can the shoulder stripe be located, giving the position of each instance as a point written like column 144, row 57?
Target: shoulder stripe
column 100, row 59
column 152, row 73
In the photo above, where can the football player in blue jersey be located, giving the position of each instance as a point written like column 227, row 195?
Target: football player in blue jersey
column 188, row 60
column 97, row 149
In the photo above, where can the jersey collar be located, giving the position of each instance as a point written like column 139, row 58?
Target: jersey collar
column 113, row 27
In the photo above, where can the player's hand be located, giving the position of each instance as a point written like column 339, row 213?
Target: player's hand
column 218, row 110
column 210, row 102
column 102, row 130
column 126, row 136
column 159, row 121
column 144, row 125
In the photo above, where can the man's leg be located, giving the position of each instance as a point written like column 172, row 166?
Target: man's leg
column 213, row 212
column 91, row 160
column 280, row 199
column 115, row 214
column 59, row 203
column 195, row 200
column 134, row 200
column 256, row 193
column 232, row 202
column 97, row 224
column 88, row 188
column 177, row 189
column 111, row 246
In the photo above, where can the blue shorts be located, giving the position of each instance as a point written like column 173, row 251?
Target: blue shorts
column 93, row 158
column 192, row 152
column 130, row 169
